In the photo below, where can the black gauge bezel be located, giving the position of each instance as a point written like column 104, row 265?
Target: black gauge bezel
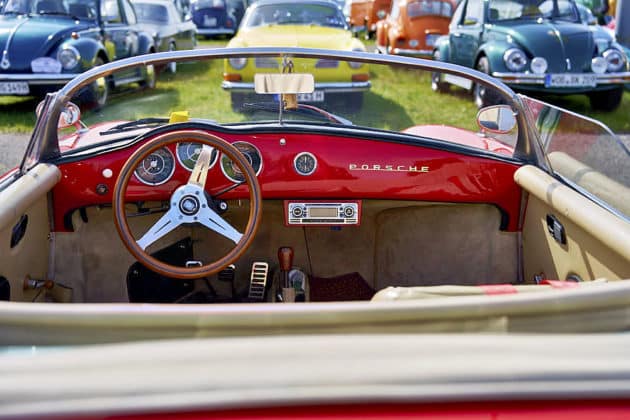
column 166, row 178
column 295, row 163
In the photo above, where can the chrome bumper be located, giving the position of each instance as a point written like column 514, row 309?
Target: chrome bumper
column 39, row 79
column 539, row 79
column 333, row 87
column 219, row 31
column 413, row 53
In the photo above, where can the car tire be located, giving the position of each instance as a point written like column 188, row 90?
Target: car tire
column 96, row 94
column 172, row 66
column 482, row 96
column 606, row 100
column 436, row 84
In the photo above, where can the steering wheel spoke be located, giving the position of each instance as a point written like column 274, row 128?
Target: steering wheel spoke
column 210, row 219
column 164, row 225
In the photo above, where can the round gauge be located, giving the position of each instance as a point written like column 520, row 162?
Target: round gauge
column 157, row 168
column 187, row 154
column 229, row 168
column 305, row 163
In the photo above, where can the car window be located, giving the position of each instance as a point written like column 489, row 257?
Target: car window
column 585, row 153
column 395, row 9
column 532, row 9
column 110, row 11
column 295, row 14
column 130, row 14
column 429, row 7
column 565, row 10
column 209, row 4
column 473, row 13
column 149, row 12
column 457, row 16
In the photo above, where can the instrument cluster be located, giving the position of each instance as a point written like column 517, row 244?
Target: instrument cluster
column 158, row 167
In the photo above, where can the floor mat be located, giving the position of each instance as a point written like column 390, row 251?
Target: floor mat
column 345, row 287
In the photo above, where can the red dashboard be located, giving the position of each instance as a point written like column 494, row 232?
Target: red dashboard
column 345, row 168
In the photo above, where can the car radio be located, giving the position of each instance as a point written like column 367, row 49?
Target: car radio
column 322, row 213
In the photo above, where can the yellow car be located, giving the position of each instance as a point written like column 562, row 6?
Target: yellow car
column 301, row 23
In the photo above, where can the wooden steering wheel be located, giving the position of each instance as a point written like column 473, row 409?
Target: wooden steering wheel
column 188, row 205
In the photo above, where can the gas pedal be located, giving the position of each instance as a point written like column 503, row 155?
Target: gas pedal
column 258, row 281
column 227, row 274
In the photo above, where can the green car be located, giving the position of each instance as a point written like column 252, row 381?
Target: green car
column 534, row 46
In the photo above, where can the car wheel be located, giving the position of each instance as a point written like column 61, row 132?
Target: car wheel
column 483, row 96
column 606, row 100
column 96, row 94
column 172, row 66
column 436, row 84
column 149, row 81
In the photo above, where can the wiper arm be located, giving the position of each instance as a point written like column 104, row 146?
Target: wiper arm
column 302, row 109
column 133, row 125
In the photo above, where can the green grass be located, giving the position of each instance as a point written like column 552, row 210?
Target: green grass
column 398, row 98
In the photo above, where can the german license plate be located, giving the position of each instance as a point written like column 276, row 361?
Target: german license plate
column 14, row 88
column 316, row 96
column 209, row 21
column 570, row 80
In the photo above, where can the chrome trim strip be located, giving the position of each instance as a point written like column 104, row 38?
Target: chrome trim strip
column 332, row 87
column 221, row 31
column 539, row 79
column 39, row 78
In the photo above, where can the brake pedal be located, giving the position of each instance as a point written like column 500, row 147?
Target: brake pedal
column 258, row 281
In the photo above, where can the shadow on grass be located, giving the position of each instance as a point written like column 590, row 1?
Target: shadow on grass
column 379, row 111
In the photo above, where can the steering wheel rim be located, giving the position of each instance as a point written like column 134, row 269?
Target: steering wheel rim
column 120, row 219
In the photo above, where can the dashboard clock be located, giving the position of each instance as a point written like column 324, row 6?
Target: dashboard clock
column 305, row 163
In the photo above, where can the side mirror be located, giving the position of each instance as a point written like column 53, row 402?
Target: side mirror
column 498, row 119
column 69, row 117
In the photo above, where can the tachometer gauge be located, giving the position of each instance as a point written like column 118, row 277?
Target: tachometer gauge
column 305, row 163
column 157, row 168
column 187, row 154
column 229, row 168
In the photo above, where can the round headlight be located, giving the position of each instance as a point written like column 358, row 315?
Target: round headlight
column 614, row 60
column 539, row 65
column 238, row 62
column 381, row 14
column 413, row 43
column 599, row 65
column 69, row 57
column 515, row 59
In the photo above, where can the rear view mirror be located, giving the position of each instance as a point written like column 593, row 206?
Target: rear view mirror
column 496, row 119
column 285, row 83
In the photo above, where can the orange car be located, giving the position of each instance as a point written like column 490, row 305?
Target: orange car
column 412, row 26
column 364, row 14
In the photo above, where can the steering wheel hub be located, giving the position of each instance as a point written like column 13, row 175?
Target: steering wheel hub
column 189, row 205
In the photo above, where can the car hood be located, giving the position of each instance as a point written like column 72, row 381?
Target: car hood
column 565, row 46
column 294, row 36
column 25, row 38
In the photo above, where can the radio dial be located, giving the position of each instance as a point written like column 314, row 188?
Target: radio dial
column 348, row 211
column 297, row 211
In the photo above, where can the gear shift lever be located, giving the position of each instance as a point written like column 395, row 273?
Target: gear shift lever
column 285, row 259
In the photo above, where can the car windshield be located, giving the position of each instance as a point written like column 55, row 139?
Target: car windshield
column 150, row 12
column 564, row 10
column 208, row 4
column 85, row 9
column 429, row 7
column 294, row 14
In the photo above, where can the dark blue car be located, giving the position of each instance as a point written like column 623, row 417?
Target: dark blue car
column 46, row 43
column 217, row 17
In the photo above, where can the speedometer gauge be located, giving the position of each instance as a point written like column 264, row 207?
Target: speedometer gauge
column 157, row 168
column 229, row 168
column 188, row 153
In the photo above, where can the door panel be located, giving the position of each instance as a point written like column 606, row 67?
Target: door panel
column 596, row 244
column 24, row 205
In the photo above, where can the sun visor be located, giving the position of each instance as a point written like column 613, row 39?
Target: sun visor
column 288, row 83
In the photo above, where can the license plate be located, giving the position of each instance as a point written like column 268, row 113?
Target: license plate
column 14, row 88
column 570, row 80
column 316, row 96
column 209, row 21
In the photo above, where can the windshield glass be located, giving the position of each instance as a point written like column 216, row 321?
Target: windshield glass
column 295, row 14
column 343, row 94
column 148, row 12
column 429, row 7
column 75, row 8
column 532, row 9
column 586, row 153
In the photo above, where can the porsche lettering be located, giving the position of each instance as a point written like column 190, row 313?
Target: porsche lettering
column 387, row 168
